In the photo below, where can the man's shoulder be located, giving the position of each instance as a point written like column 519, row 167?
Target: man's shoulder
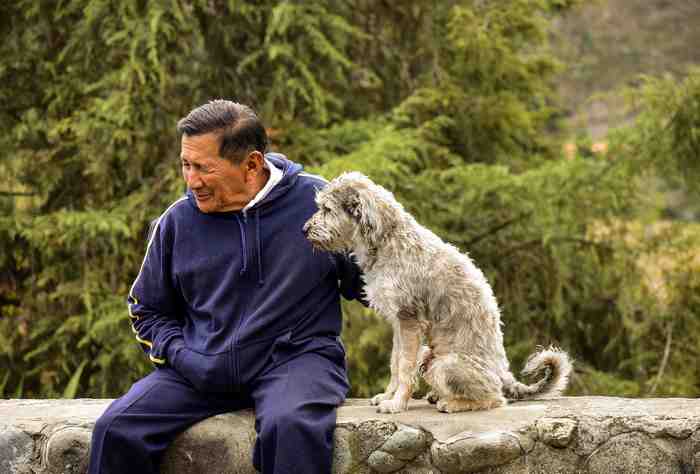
column 311, row 176
column 174, row 210
column 311, row 180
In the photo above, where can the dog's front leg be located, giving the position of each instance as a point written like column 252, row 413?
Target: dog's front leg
column 409, row 334
column 394, row 381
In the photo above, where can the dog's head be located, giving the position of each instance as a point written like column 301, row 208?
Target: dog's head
column 352, row 212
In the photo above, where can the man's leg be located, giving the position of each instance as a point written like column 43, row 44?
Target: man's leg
column 132, row 434
column 295, row 408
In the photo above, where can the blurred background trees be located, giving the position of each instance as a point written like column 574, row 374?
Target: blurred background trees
column 455, row 106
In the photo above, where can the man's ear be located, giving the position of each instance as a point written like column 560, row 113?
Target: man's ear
column 255, row 160
column 254, row 163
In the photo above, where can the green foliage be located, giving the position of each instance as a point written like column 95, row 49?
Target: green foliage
column 457, row 118
column 366, row 336
column 667, row 125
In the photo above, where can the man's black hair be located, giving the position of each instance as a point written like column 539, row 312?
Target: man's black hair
column 239, row 128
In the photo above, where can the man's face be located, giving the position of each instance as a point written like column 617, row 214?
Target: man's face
column 218, row 184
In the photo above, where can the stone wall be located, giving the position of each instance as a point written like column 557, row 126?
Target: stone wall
column 567, row 435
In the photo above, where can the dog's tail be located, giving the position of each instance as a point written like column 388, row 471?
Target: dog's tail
column 556, row 367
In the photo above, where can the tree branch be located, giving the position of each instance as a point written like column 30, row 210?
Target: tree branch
column 533, row 242
column 664, row 360
column 497, row 228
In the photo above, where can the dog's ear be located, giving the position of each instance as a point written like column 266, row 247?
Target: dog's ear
column 369, row 209
column 354, row 203
column 351, row 203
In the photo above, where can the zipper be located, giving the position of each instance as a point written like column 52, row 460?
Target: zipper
column 235, row 365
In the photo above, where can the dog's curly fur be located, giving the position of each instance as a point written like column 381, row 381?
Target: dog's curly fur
column 427, row 289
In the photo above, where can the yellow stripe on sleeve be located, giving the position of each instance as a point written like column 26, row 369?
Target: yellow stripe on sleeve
column 150, row 241
column 134, row 317
column 138, row 338
column 131, row 314
column 156, row 360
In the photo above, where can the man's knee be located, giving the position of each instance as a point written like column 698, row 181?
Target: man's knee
column 111, row 432
column 105, row 441
column 104, row 423
column 113, row 426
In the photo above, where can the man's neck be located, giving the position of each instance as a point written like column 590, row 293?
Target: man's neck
column 259, row 183
column 265, row 177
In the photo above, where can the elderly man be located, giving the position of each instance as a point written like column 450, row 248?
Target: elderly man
column 234, row 308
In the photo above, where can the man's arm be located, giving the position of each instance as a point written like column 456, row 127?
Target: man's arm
column 350, row 279
column 152, row 301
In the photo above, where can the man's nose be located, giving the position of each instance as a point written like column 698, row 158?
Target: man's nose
column 193, row 179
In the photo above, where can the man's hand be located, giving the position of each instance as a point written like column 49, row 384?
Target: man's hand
column 207, row 373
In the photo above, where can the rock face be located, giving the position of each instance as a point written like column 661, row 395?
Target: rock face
column 596, row 435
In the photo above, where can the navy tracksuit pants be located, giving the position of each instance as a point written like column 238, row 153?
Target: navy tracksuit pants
column 295, row 410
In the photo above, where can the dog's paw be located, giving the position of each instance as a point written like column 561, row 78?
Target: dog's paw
column 432, row 397
column 379, row 398
column 391, row 406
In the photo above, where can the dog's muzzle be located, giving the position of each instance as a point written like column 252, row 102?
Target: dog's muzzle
column 309, row 234
column 306, row 228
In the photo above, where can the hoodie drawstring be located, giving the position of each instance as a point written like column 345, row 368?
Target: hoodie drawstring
column 261, row 280
column 244, row 246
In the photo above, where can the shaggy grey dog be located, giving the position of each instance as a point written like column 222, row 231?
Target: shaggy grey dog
column 428, row 290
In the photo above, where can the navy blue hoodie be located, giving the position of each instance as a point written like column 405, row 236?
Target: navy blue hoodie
column 221, row 297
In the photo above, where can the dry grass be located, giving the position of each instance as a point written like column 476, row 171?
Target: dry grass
column 663, row 249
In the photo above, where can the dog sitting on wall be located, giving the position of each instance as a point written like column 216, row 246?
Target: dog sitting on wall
column 429, row 290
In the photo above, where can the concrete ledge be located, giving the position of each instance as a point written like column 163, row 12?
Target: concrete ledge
column 567, row 435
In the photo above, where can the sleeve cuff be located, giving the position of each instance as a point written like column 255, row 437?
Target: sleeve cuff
column 173, row 350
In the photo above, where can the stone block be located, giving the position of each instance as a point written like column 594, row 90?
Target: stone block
column 16, row 450
column 66, row 450
column 474, row 453
column 632, row 453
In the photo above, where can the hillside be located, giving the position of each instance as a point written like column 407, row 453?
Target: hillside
column 609, row 43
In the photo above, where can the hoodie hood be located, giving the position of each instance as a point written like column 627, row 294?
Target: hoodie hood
column 290, row 172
